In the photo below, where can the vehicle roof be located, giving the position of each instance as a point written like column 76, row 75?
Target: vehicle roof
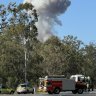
column 77, row 75
column 23, row 84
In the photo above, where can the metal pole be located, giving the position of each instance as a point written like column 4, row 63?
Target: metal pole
column 25, row 52
column 25, row 67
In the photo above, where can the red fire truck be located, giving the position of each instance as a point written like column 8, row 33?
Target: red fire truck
column 56, row 84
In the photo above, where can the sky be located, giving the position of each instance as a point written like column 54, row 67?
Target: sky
column 79, row 20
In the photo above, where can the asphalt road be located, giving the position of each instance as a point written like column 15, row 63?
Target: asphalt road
column 49, row 95
column 93, row 93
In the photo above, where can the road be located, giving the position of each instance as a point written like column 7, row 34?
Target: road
column 93, row 93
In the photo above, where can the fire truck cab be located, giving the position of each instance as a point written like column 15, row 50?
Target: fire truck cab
column 81, row 78
column 56, row 84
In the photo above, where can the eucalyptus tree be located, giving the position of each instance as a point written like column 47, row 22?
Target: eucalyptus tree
column 73, row 55
column 17, row 33
column 89, row 66
column 52, row 54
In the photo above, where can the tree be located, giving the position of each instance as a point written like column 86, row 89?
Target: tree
column 73, row 56
column 52, row 54
column 17, row 24
column 89, row 66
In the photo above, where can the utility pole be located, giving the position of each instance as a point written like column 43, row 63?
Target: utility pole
column 25, row 66
column 25, row 52
column 25, row 62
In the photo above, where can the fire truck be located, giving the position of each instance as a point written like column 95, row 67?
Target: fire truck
column 56, row 84
column 83, row 78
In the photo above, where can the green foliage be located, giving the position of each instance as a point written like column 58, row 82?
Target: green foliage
column 18, row 34
column 12, row 46
column 90, row 60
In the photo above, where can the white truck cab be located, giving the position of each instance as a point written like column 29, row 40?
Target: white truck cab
column 78, row 77
column 87, row 80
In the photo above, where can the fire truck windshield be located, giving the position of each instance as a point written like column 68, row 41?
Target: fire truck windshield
column 73, row 78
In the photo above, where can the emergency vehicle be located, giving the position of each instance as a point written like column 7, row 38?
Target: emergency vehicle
column 56, row 84
column 85, row 79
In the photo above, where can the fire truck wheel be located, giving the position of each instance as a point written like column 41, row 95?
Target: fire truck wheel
column 80, row 91
column 49, row 92
column 74, row 91
column 56, row 90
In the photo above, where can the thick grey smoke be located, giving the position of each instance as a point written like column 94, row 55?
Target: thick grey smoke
column 48, row 11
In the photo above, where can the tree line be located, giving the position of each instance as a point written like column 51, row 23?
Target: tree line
column 18, row 34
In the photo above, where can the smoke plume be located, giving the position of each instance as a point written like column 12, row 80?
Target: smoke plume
column 48, row 11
